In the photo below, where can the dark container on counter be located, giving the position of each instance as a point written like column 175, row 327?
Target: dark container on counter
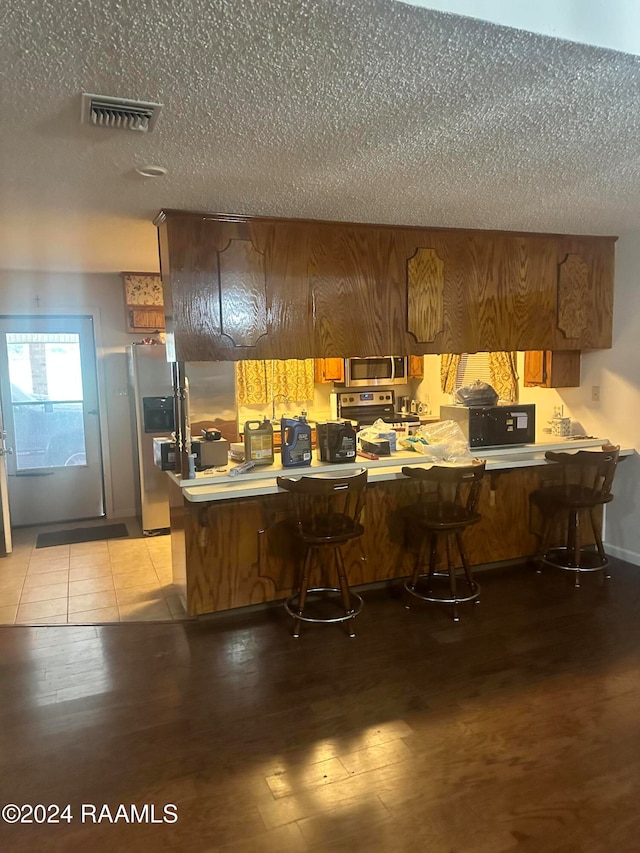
column 295, row 439
column 336, row 441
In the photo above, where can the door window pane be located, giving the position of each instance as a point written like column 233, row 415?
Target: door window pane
column 46, row 399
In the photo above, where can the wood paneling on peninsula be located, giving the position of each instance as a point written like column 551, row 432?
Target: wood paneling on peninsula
column 303, row 288
column 233, row 553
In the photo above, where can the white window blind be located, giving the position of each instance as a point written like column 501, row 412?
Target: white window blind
column 473, row 366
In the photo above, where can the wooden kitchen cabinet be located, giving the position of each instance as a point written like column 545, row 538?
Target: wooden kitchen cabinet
column 328, row 370
column 504, row 291
column 239, row 287
column 234, row 288
column 552, row 369
column 416, row 367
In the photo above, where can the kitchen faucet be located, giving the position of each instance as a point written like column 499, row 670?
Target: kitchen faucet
column 282, row 397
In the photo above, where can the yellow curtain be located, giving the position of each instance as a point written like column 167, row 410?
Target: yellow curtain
column 293, row 378
column 504, row 375
column 251, row 382
column 258, row 382
column 449, row 363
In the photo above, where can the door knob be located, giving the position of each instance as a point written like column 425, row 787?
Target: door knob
column 6, row 451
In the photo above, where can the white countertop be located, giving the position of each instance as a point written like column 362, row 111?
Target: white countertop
column 261, row 480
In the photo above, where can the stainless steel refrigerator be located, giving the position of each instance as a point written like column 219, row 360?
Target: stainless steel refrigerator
column 211, row 401
column 151, row 397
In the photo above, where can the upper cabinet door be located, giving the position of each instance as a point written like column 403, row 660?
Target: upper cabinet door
column 584, row 313
column 352, row 274
column 234, row 289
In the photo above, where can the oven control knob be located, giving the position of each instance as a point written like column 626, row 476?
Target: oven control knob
column 351, row 399
column 388, row 397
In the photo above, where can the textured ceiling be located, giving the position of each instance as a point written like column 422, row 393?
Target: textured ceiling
column 365, row 110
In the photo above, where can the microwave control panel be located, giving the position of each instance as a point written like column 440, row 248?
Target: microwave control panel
column 350, row 399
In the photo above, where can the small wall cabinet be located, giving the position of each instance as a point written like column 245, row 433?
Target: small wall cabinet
column 552, row 369
column 328, row 370
column 144, row 303
column 416, row 367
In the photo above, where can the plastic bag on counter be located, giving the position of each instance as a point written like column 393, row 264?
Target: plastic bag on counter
column 479, row 393
column 442, row 441
column 379, row 431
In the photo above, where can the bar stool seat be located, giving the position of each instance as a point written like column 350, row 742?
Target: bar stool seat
column 446, row 506
column 327, row 513
column 580, row 483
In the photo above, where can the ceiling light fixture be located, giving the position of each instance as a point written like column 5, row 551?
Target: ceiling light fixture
column 151, row 171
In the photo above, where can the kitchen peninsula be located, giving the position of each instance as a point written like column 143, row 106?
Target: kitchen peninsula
column 240, row 287
column 232, row 546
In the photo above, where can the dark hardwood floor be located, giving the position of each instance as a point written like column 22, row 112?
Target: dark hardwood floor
column 517, row 729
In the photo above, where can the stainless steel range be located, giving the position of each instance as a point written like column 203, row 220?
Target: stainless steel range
column 366, row 407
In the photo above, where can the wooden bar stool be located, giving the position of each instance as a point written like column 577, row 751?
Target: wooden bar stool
column 580, row 483
column 447, row 504
column 327, row 514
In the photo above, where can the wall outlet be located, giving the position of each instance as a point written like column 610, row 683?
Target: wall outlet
column 595, row 393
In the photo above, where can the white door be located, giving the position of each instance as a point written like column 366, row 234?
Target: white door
column 5, row 519
column 49, row 394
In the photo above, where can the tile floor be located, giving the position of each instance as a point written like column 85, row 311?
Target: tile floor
column 113, row 580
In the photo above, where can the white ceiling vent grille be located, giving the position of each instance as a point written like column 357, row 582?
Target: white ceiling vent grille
column 104, row 111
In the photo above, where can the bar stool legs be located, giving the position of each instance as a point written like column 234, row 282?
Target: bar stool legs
column 420, row 585
column 573, row 556
column 352, row 603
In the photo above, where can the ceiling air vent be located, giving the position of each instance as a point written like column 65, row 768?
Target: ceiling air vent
column 104, row 111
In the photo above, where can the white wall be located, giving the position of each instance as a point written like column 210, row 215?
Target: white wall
column 101, row 294
column 617, row 416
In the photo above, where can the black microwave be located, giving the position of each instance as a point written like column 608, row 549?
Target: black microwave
column 375, row 370
column 494, row 426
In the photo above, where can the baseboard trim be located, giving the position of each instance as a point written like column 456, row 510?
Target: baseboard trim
column 623, row 554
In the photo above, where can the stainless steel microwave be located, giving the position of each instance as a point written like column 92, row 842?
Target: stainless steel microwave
column 375, row 370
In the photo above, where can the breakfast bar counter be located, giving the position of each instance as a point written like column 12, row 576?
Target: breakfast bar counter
column 231, row 536
column 261, row 480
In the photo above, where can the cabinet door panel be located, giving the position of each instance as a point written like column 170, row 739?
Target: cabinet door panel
column 243, row 293
column 189, row 261
column 228, row 313
column 290, row 312
column 534, row 368
column 349, row 279
column 594, row 329
column 416, row 367
column 425, row 295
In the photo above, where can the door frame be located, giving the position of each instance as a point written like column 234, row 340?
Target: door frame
column 94, row 313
